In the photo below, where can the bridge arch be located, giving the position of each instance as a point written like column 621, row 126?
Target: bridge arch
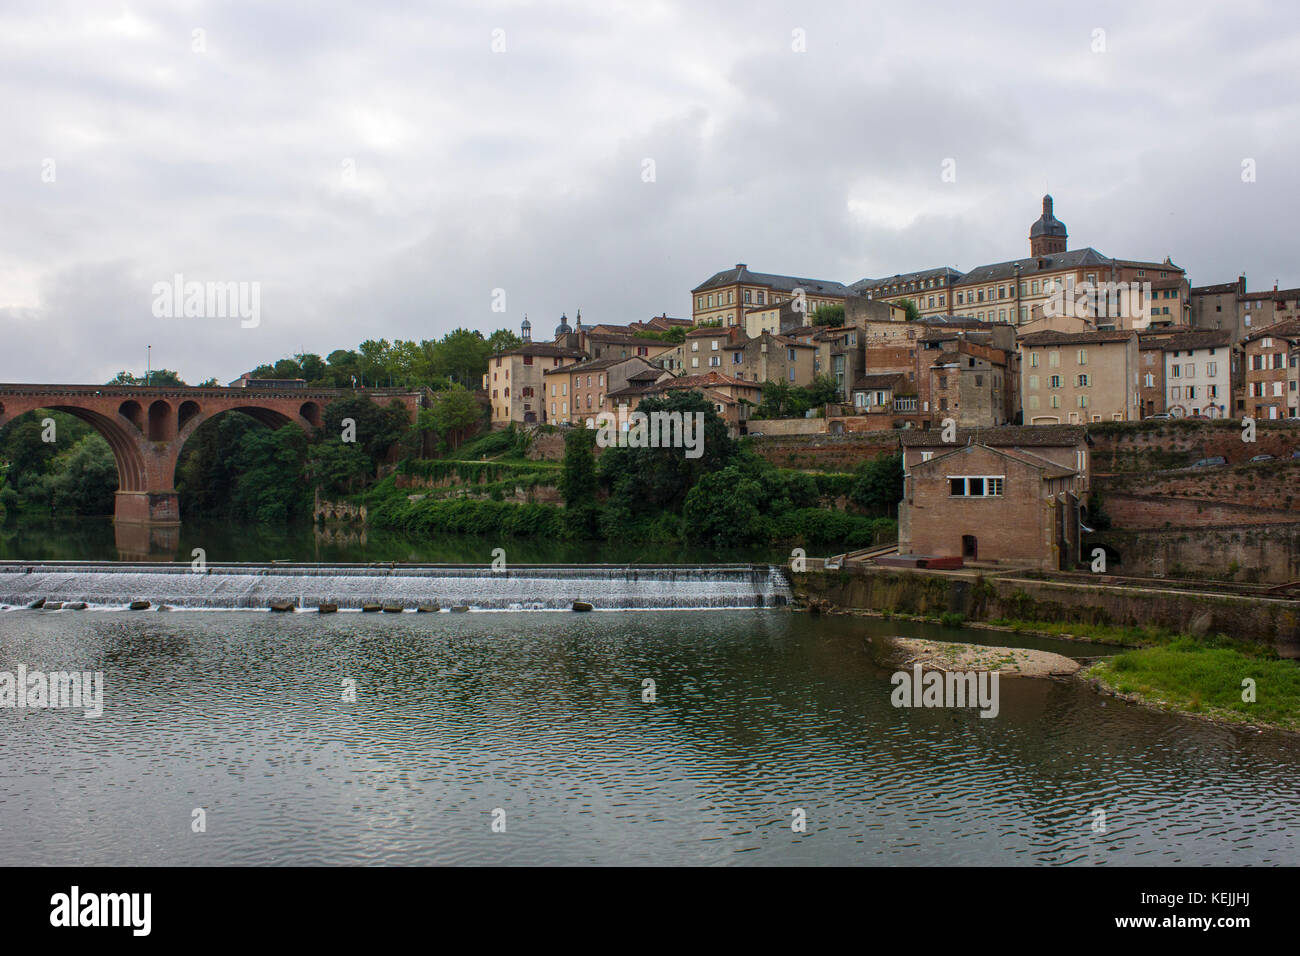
column 146, row 427
column 117, row 430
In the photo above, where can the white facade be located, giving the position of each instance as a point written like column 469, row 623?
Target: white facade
column 1199, row 382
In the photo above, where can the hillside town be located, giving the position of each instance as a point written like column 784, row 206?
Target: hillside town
column 1040, row 340
column 997, row 373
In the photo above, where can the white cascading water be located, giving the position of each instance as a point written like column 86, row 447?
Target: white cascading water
column 522, row 587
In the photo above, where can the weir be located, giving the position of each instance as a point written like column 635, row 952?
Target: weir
column 350, row 586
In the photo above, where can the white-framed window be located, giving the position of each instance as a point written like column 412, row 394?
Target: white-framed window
column 975, row 486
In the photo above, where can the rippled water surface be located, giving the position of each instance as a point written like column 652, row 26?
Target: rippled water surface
column 541, row 714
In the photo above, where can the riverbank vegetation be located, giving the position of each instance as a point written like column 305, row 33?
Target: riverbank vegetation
column 1212, row 678
column 728, row 497
column 434, row 475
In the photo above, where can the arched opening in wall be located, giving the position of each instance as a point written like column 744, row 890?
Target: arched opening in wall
column 1112, row 558
column 67, row 461
column 216, row 458
column 132, row 412
column 160, row 414
column 836, row 428
column 186, row 413
column 311, row 412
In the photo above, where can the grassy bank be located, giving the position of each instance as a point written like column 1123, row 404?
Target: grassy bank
column 1205, row 679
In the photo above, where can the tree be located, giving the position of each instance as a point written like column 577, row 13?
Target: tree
column 462, row 356
column 829, row 315
column 578, row 480
column 502, row 340
column 377, row 429
column 269, row 466
column 823, row 391
column 908, row 306
column 657, row 479
column 453, row 410
column 159, row 376
column 879, row 485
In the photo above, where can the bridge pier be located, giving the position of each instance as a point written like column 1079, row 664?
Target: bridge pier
column 147, row 507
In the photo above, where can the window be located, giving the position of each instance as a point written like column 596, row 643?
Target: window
column 1053, row 359
column 1054, row 381
column 1033, row 383
column 1033, row 360
column 1211, row 369
column 926, row 455
column 1150, row 380
column 975, row 486
column 1083, row 357
column 790, row 354
column 1083, row 381
column 713, row 344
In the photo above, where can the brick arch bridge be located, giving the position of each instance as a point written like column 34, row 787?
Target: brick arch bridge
column 148, row 426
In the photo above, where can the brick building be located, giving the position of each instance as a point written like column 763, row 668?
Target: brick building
column 1270, row 360
column 1009, row 496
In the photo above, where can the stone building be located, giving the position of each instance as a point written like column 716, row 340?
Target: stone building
column 1073, row 378
column 725, row 297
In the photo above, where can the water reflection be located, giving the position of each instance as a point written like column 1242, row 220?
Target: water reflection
column 757, row 712
column 98, row 539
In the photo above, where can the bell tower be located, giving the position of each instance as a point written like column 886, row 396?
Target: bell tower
column 1047, row 235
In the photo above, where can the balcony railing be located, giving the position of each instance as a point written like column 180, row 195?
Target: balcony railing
column 905, row 404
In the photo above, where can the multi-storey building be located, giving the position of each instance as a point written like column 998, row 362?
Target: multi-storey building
column 1018, row 290
column 770, row 358
column 724, row 297
column 1075, row 378
column 578, row 392
column 930, row 290
column 1229, row 307
column 968, row 385
column 1151, row 373
column 1198, row 374
column 1270, row 364
column 514, row 381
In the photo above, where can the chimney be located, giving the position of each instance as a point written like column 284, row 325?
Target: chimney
column 741, row 267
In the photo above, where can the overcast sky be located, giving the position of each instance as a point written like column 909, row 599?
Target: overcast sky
column 379, row 169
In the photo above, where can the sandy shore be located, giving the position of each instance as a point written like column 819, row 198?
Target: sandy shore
column 945, row 656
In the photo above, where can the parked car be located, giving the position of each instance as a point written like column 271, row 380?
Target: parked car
column 1264, row 458
column 1157, row 416
column 755, row 434
column 1212, row 462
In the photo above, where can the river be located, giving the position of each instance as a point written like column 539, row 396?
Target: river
column 536, row 721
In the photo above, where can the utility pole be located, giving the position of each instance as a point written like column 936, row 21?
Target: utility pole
column 148, row 363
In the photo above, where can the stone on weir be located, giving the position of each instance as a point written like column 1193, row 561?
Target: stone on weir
column 139, row 606
column 327, row 609
column 36, row 605
column 393, row 609
column 371, row 608
column 459, row 608
column 581, row 606
column 75, row 606
column 283, row 607
column 428, row 609
column 53, row 605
